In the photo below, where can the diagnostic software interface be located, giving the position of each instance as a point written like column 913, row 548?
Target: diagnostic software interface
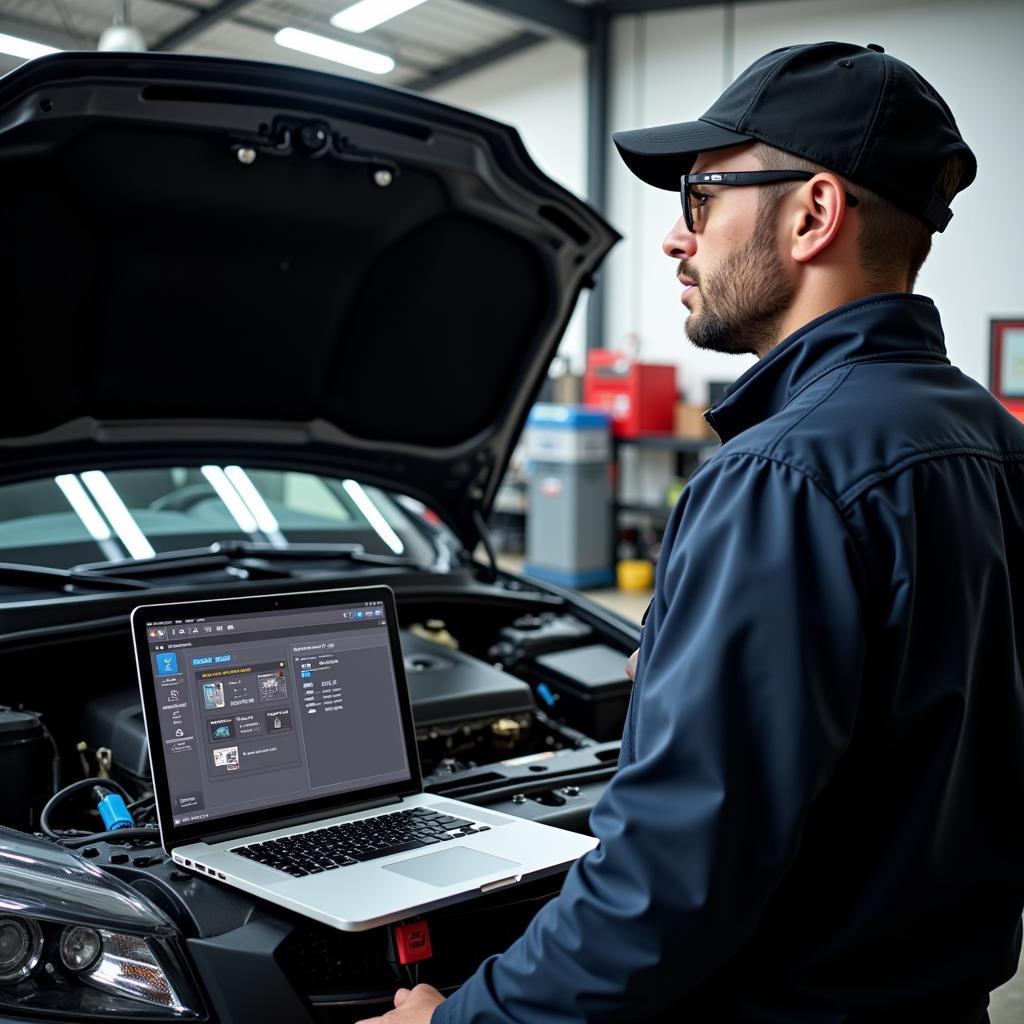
column 275, row 708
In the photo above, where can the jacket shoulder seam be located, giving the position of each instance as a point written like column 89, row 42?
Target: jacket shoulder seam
column 858, row 489
column 807, row 412
column 815, row 478
column 879, row 357
column 820, row 485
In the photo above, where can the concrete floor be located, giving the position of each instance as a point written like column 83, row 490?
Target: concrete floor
column 1007, row 1006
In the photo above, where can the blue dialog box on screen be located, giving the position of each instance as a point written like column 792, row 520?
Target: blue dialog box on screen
column 166, row 664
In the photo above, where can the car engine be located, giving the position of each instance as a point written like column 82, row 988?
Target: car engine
column 519, row 700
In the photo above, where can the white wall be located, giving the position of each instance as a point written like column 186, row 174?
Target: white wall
column 670, row 66
column 541, row 92
column 666, row 67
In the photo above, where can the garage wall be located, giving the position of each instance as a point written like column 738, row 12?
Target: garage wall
column 670, row 66
column 542, row 92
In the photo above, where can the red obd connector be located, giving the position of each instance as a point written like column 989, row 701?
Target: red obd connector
column 412, row 942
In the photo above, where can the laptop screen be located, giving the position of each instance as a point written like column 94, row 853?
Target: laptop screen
column 271, row 708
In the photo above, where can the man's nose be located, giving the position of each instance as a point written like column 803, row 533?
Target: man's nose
column 680, row 243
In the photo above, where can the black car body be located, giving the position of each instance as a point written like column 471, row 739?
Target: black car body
column 349, row 291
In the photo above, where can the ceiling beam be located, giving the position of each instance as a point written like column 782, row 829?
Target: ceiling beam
column 200, row 23
column 548, row 17
column 442, row 76
column 25, row 28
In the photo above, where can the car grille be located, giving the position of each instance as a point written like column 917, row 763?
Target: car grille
column 335, row 968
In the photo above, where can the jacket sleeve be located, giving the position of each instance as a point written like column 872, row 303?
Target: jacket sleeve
column 746, row 693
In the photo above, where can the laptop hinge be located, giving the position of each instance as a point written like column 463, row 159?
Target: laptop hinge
column 302, row 819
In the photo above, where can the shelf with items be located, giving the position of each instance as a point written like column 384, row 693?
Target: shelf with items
column 649, row 473
column 671, row 442
column 642, row 483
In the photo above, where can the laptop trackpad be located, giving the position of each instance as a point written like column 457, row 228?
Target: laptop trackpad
column 446, row 867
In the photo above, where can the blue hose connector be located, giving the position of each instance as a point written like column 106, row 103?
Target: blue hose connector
column 112, row 810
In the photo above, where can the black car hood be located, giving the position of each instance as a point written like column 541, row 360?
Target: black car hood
column 212, row 259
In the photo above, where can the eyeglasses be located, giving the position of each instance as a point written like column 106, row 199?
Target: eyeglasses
column 693, row 202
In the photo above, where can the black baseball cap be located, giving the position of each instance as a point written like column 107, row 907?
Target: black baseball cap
column 853, row 109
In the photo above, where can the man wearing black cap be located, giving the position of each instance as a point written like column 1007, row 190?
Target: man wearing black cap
column 815, row 815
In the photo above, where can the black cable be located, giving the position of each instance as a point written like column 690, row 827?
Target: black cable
column 63, row 794
column 116, row 835
column 55, row 763
column 143, row 812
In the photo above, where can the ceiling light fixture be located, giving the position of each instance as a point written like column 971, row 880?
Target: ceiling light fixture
column 331, row 49
column 370, row 13
column 122, row 36
column 16, row 47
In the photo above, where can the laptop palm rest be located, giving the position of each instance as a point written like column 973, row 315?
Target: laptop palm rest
column 448, row 867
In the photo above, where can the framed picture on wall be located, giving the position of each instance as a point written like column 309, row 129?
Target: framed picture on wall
column 1006, row 364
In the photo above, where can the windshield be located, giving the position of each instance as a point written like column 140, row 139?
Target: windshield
column 71, row 519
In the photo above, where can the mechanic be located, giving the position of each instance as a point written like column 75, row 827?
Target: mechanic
column 816, row 814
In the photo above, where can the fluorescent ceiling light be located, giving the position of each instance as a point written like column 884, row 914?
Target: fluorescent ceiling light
column 24, row 47
column 83, row 506
column 331, row 49
column 231, row 498
column 110, row 503
column 373, row 516
column 371, row 13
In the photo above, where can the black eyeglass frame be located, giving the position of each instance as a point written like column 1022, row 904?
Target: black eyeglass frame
column 739, row 178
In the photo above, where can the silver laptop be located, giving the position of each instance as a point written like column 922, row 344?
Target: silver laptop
column 284, row 762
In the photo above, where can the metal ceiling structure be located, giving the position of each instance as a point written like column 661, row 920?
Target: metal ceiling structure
column 431, row 45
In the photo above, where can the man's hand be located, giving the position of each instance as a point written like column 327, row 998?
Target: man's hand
column 631, row 664
column 411, row 1007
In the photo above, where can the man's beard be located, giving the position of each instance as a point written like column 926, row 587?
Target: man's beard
column 744, row 299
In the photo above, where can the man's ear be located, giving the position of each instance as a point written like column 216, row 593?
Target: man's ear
column 817, row 217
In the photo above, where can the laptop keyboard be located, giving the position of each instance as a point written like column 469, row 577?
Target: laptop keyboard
column 339, row 846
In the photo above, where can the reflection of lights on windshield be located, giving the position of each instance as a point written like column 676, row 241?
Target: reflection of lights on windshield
column 83, row 506
column 265, row 519
column 373, row 516
column 117, row 514
column 231, row 498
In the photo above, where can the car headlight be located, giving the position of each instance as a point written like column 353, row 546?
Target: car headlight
column 76, row 941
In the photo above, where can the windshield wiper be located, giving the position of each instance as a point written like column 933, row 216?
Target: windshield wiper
column 346, row 552
column 238, row 553
column 64, row 579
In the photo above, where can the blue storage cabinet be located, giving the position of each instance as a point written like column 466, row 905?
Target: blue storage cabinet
column 569, row 513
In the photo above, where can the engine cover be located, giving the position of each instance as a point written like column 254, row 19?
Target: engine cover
column 449, row 688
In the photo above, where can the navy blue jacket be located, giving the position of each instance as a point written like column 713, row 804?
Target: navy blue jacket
column 818, row 811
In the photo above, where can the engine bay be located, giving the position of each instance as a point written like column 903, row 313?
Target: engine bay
column 492, row 682
column 519, row 698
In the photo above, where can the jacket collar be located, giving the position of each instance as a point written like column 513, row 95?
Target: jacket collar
column 893, row 325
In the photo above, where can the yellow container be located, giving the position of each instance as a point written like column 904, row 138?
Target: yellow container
column 634, row 574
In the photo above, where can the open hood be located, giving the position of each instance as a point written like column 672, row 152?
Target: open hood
column 219, row 260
